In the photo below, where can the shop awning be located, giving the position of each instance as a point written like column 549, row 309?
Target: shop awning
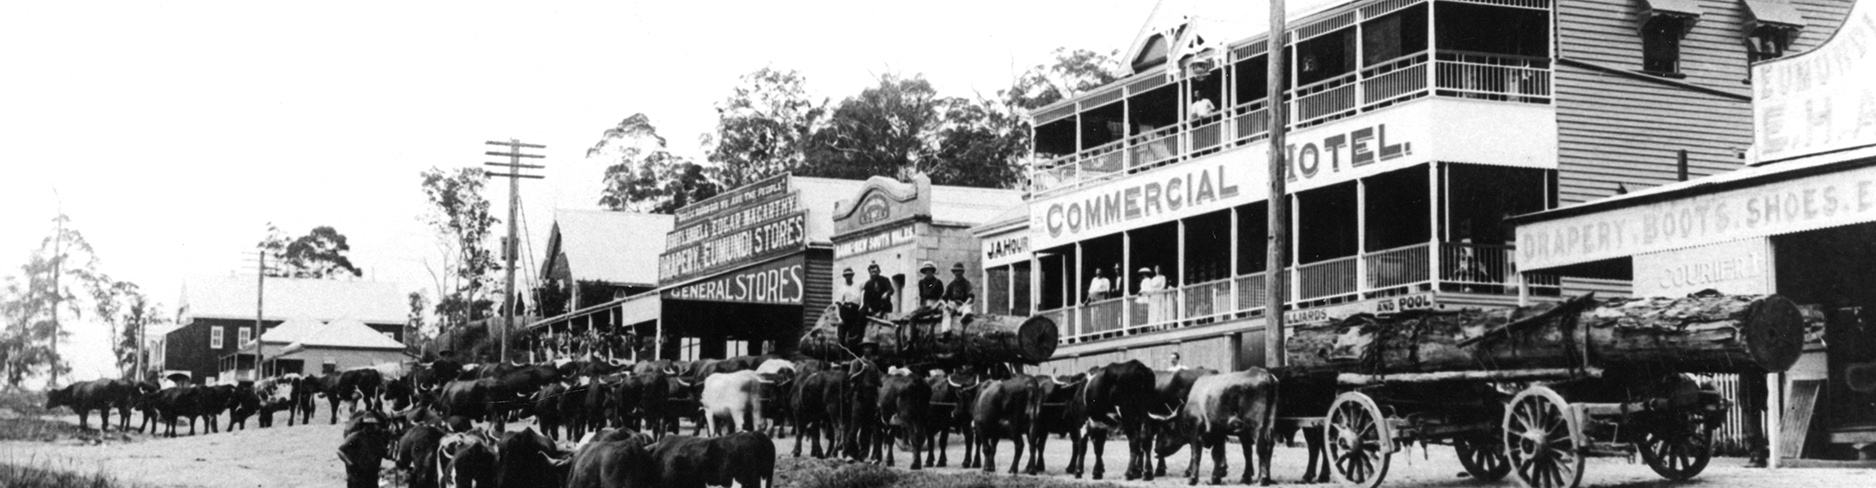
column 1775, row 12
column 634, row 309
column 1808, row 193
column 1679, row 8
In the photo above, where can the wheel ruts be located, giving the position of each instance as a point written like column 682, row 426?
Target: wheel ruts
column 1677, row 450
column 1482, row 458
column 1544, row 439
column 1360, row 442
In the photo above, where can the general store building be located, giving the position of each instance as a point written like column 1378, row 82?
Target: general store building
column 1799, row 222
column 747, row 271
column 1416, row 128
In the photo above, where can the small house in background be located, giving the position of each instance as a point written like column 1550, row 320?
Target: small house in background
column 218, row 315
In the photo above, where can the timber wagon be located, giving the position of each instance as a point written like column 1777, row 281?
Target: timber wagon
column 1535, row 390
column 932, row 338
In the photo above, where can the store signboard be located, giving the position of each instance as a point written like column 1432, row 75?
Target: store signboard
column 1734, row 268
column 778, row 283
column 1822, row 100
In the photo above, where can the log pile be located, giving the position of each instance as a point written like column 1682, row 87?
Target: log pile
column 919, row 338
column 1707, row 332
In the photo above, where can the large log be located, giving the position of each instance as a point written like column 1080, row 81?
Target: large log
column 1708, row 333
column 916, row 338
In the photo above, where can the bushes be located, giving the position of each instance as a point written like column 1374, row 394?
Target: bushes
column 16, row 476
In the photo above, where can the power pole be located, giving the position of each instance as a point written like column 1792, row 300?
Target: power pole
column 260, row 300
column 58, row 265
column 509, row 250
column 1278, row 77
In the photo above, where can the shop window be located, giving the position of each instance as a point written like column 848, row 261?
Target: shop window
column 214, row 337
column 1019, row 289
column 997, row 290
column 1661, row 44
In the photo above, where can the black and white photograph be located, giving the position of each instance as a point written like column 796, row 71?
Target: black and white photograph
column 963, row 244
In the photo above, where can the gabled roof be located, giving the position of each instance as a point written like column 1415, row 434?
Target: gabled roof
column 232, row 297
column 292, row 330
column 606, row 246
column 972, row 206
column 1230, row 21
column 349, row 334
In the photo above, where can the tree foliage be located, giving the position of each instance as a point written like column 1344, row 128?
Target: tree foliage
column 320, row 253
column 888, row 129
column 58, row 283
column 645, row 176
column 1070, row 73
column 461, row 217
column 763, row 127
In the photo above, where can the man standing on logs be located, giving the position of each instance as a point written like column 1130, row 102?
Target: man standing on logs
column 852, row 318
column 958, row 294
column 930, row 288
column 877, row 293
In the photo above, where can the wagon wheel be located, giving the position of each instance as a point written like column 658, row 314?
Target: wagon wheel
column 1360, row 443
column 1483, row 459
column 1544, row 439
column 1677, row 450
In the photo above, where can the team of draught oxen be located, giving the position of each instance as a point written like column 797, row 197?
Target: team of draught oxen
column 625, row 418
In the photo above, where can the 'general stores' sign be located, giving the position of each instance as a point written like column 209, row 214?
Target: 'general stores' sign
column 777, row 282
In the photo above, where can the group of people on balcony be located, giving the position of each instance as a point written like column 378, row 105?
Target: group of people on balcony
column 594, row 341
column 1152, row 300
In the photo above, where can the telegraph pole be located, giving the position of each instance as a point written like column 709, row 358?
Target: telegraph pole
column 260, row 297
column 509, row 250
column 1279, row 223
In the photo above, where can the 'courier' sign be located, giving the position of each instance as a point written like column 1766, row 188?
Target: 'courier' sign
column 778, row 282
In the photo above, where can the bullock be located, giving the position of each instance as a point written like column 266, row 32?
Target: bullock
column 527, row 459
column 243, row 402
column 416, row 453
column 1116, row 399
column 1055, row 408
column 509, row 385
column 903, row 402
column 815, row 402
column 353, row 385
column 179, row 401
column 547, row 410
column 467, row 460
column 745, row 458
column 212, row 401
column 362, row 453
column 732, row 399
column 1002, row 410
column 951, row 409
column 305, row 390
column 1222, row 405
column 101, row 395
column 432, row 375
column 275, row 394
column 659, row 405
column 1170, row 391
column 608, row 463
column 467, row 399
column 595, row 405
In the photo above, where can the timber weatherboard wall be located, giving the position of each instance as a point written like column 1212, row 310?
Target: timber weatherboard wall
column 1620, row 126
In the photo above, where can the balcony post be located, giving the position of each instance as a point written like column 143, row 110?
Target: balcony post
column 1292, row 273
column 1433, row 209
column 1232, row 303
column 1124, row 278
column 1075, row 292
column 1361, row 232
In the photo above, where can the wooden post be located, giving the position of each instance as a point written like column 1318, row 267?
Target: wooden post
column 1279, row 237
column 510, row 244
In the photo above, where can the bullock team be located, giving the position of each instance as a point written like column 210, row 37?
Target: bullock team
column 446, row 422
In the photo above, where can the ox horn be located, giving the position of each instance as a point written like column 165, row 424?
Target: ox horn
column 1170, row 414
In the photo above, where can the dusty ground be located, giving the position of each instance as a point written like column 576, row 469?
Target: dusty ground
column 304, row 456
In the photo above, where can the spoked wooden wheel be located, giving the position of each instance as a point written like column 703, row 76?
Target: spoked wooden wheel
column 1360, row 443
column 1483, row 459
column 1544, row 439
column 1677, row 450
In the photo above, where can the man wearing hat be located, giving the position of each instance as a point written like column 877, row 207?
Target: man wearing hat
column 959, row 294
column 930, row 288
column 877, row 292
column 848, row 298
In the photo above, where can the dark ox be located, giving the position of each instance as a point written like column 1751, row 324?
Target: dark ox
column 952, row 398
column 862, row 404
column 1241, row 404
column 1055, row 408
column 744, row 458
column 1002, row 410
column 101, row 395
column 367, row 443
column 903, row 405
column 416, row 453
column 1116, row 398
column 467, row 460
column 815, row 402
column 608, row 462
column 527, row 459
column 1169, row 398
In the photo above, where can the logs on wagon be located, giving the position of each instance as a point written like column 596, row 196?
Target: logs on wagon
column 921, row 337
column 1705, row 332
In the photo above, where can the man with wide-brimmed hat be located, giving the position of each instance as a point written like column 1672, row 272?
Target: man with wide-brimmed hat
column 877, row 293
column 959, row 293
column 930, row 288
column 848, row 299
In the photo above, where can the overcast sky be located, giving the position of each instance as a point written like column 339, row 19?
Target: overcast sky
column 174, row 131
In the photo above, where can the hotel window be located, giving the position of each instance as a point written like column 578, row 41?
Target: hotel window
column 214, row 337
column 1661, row 44
column 242, row 334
